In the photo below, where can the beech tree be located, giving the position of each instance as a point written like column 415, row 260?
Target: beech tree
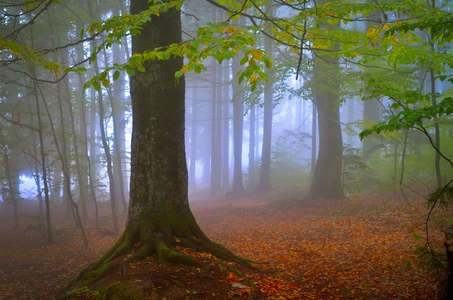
column 326, row 182
column 159, row 216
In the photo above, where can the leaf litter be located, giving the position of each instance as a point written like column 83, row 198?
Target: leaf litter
column 357, row 249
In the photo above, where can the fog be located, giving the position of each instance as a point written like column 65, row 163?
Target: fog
column 210, row 121
column 315, row 133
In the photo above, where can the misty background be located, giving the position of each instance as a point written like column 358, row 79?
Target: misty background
column 89, row 131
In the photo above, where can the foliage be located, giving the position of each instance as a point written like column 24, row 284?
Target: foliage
column 433, row 261
column 442, row 195
column 290, row 172
column 354, row 168
column 412, row 107
column 411, row 117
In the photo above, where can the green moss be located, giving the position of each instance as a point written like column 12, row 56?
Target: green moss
column 158, row 234
column 166, row 254
column 144, row 251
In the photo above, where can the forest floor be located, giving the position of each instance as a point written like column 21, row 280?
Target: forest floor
column 359, row 248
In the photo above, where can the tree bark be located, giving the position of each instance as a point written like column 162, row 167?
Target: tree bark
column 216, row 162
column 264, row 183
column 159, row 216
column 446, row 290
column 237, row 187
column 326, row 182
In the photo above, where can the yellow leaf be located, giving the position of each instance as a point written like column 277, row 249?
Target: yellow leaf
column 256, row 53
column 332, row 21
column 105, row 82
column 253, row 78
column 229, row 29
column 185, row 68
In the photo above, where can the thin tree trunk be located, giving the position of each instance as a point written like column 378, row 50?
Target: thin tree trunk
column 75, row 145
column 226, row 128
column 117, row 161
column 10, row 185
column 43, row 164
column 252, row 141
column 87, row 156
column 314, row 138
column 74, row 209
column 115, row 97
column 215, row 185
column 237, row 187
column 85, row 159
column 193, row 141
column 403, row 165
column 105, row 144
column 264, row 183
column 436, row 130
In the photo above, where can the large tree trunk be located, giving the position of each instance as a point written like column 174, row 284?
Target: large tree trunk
column 326, row 182
column 159, row 217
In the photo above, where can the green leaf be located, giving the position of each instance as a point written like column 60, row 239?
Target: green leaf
column 178, row 74
column 167, row 55
column 116, row 75
column 417, row 237
column 141, row 68
column 130, row 71
column 96, row 85
column 244, row 60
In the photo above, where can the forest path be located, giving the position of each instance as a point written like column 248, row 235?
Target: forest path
column 360, row 248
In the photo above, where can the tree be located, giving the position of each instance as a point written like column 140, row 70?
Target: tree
column 264, row 183
column 159, row 216
column 419, row 111
column 326, row 180
column 237, row 186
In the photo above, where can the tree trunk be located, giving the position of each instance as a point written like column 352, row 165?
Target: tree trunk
column 446, row 291
column 436, row 130
column 114, row 92
column 252, row 140
column 314, row 138
column 10, row 186
column 216, row 162
column 237, row 187
column 43, row 165
column 105, row 145
column 85, row 159
column 193, row 141
column 264, row 183
column 326, row 182
column 226, row 126
column 159, row 216
column 371, row 112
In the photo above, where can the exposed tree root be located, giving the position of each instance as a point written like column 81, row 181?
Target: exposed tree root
column 160, row 244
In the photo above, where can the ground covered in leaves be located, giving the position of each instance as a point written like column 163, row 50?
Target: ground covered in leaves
column 358, row 248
